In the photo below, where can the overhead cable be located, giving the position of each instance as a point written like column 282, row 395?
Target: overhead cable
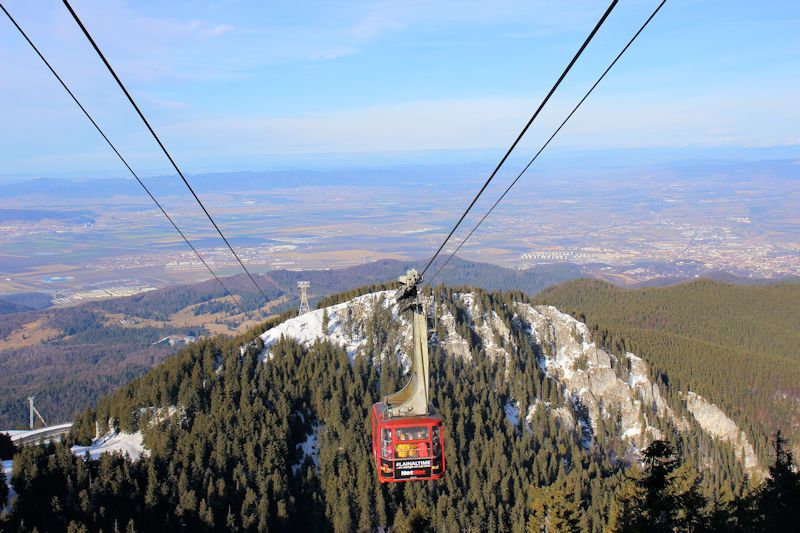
column 596, row 83
column 124, row 162
column 525, row 129
column 158, row 140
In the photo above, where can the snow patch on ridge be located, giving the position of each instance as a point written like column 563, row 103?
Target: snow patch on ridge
column 590, row 379
column 453, row 343
column 587, row 373
column 638, row 374
column 345, row 324
column 130, row 444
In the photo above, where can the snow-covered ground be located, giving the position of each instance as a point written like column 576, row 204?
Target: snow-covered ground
column 307, row 327
column 130, row 444
column 309, row 449
column 512, row 412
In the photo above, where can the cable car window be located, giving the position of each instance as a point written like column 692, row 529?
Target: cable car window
column 437, row 442
column 413, row 433
column 408, row 445
column 386, row 443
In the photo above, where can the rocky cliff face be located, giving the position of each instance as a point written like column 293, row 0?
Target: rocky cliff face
column 588, row 374
column 713, row 420
column 598, row 386
column 347, row 325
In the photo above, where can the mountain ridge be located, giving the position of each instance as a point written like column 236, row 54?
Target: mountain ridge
column 564, row 348
column 265, row 432
column 119, row 333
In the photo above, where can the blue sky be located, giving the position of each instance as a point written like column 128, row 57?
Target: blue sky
column 233, row 85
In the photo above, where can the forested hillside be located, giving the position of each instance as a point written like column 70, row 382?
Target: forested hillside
column 69, row 356
column 243, row 437
column 739, row 346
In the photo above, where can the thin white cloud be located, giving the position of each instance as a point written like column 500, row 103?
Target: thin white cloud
column 480, row 123
column 413, row 126
column 216, row 31
column 374, row 24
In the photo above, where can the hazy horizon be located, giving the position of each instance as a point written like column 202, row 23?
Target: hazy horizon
column 556, row 159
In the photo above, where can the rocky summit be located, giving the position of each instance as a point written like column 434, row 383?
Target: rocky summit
column 600, row 387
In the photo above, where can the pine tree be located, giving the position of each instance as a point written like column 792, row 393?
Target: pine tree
column 230, row 522
column 206, row 514
column 7, row 447
column 664, row 497
column 779, row 496
column 76, row 527
column 249, row 515
column 552, row 509
column 418, row 520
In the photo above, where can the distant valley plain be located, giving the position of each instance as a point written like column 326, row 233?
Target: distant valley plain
column 81, row 240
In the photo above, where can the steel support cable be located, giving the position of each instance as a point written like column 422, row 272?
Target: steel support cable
column 124, row 162
column 158, row 140
column 596, row 83
column 525, row 129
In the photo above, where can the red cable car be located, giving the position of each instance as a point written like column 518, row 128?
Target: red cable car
column 408, row 447
column 407, row 439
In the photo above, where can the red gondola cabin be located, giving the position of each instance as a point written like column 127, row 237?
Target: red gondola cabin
column 407, row 447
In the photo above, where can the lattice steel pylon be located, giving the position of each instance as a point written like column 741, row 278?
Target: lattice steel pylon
column 34, row 411
column 304, row 286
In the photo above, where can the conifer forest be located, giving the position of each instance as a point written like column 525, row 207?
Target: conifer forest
column 228, row 434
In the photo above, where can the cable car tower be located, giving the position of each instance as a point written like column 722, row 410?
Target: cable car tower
column 407, row 440
column 304, row 286
column 413, row 398
column 34, row 411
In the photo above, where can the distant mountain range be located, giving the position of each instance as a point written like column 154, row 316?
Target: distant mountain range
column 412, row 175
column 228, row 182
column 324, row 282
column 37, row 215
